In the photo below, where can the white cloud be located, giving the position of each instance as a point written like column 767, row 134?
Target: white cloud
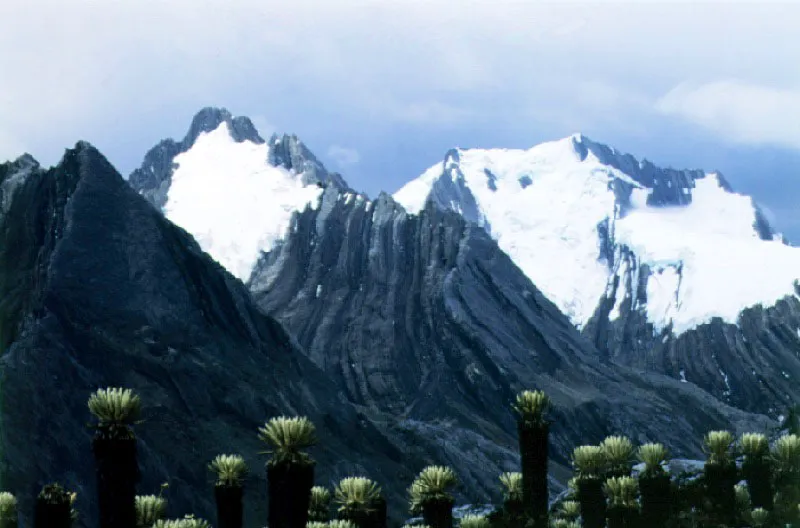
column 738, row 111
column 101, row 70
column 343, row 156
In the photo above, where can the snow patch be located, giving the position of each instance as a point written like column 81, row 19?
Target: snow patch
column 698, row 254
column 232, row 201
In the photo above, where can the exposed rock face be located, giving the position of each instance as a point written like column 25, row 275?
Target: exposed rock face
column 424, row 321
column 753, row 365
column 644, row 309
column 97, row 289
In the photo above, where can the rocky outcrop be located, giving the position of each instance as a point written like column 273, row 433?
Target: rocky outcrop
column 422, row 320
column 98, row 289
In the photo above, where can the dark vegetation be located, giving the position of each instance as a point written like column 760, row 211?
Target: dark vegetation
column 743, row 483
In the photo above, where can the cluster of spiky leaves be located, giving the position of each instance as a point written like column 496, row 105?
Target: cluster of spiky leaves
column 618, row 451
column 319, row 504
column 759, row 517
column 317, row 524
column 570, row 510
column 654, row 455
column 786, row 453
column 512, row 486
column 718, row 446
column 230, row 470
column 742, row 497
column 432, row 484
column 532, row 407
column 474, row 521
column 565, row 523
column 56, row 494
column 288, row 436
column 621, row 491
column 189, row 521
column 754, row 445
column 589, row 460
column 149, row 509
column 356, row 495
column 8, row 509
column 341, row 523
column 115, row 406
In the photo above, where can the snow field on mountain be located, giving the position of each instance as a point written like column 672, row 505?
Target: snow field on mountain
column 549, row 227
column 724, row 266
column 232, row 201
column 543, row 206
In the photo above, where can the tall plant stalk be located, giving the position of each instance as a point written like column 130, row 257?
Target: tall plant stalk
column 114, row 447
column 534, row 429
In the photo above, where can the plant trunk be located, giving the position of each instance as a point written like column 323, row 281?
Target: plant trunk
column 229, row 506
column 533, row 446
column 117, row 475
column 624, row 517
column 514, row 513
column 289, row 494
column 720, row 488
column 438, row 513
column 377, row 518
column 592, row 501
column 656, row 498
column 758, row 475
column 49, row 515
column 359, row 518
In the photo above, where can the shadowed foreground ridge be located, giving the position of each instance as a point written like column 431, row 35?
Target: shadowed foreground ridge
column 99, row 290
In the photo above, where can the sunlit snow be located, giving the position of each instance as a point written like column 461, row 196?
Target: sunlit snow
column 706, row 259
column 232, row 201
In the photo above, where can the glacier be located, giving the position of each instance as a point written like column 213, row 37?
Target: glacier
column 576, row 216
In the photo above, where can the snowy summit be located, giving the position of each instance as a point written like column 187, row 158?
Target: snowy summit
column 232, row 201
column 575, row 215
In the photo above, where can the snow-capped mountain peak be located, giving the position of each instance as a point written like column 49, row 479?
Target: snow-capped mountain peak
column 233, row 191
column 589, row 224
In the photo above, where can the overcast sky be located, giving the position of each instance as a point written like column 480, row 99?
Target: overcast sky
column 380, row 89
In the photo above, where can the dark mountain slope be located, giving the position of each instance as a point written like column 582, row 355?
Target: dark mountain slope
column 98, row 289
column 423, row 318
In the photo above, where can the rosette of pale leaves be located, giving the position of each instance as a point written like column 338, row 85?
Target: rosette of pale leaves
column 319, row 504
column 786, row 453
column 316, row 524
column 754, row 445
column 654, row 456
column 115, row 406
column 8, row 509
column 565, row 523
column 340, row 523
column 287, row 436
column 512, row 484
column 588, row 460
column 742, row 497
column 759, row 517
column 618, row 451
column 356, row 494
column 621, row 491
column 474, row 521
column 189, row 521
column 149, row 509
column 230, row 470
column 570, row 510
column 532, row 407
column 718, row 446
column 432, row 484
